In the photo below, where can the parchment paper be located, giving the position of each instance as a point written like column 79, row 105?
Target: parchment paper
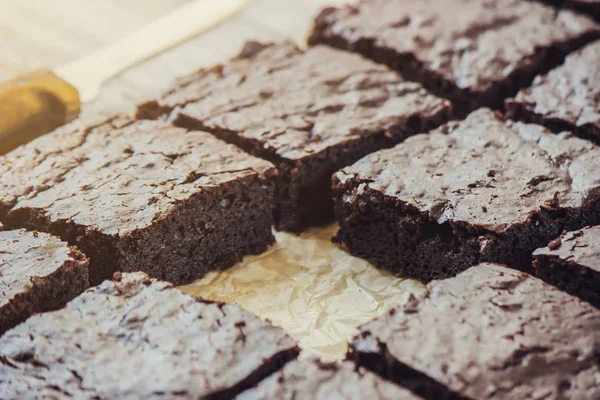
column 310, row 287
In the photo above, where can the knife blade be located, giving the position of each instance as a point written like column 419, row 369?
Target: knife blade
column 41, row 100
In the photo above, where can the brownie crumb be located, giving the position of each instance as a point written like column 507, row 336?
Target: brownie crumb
column 554, row 244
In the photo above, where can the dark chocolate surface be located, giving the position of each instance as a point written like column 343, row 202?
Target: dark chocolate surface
column 140, row 338
column 567, row 97
column 496, row 187
column 473, row 52
column 313, row 379
column 38, row 273
column 310, row 113
column 489, row 333
column 142, row 196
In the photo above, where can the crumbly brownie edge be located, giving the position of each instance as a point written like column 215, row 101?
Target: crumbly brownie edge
column 188, row 257
column 233, row 219
column 303, row 195
column 463, row 100
column 394, row 235
column 569, row 277
column 48, row 293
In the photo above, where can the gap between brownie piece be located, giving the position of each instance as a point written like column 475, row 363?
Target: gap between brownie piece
column 567, row 98
column 474, row 53
column 483, row 189
column 143, row 195
column 571, row 262
column 310, row 113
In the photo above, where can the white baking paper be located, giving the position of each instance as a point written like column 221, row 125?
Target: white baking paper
column 311, row 288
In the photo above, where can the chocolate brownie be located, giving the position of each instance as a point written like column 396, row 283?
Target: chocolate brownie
column 38, row 273
column 571, row 262
column 473, row 52
column 310, row 113
column 568, row 97
column 489, row 333
column 313, row 379
column 482, row 189
column 135, row 337
column 142, row 195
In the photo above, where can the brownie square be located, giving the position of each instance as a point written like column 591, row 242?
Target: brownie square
column 310, row 113
column 568, row 97
column 139, row 338
column 473, row 52
column 313, row 379
column 38, row 273
column 482, row 189
column 571, row 262
column 142, row 196
column 489, row 333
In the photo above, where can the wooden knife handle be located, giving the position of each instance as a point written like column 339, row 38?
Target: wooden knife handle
column 33, row 104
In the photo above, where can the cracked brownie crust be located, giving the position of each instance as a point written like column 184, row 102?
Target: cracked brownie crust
column 313, row 379
column 568, row 97
column 572, row 263
column 38, row 273
column 42, row 163
column 482, row 189
column 489, row 333
column 473, row 52
column 310, row 113
column 140, row 338
column 143, row 196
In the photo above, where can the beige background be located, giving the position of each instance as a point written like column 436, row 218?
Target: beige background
column 43, row 33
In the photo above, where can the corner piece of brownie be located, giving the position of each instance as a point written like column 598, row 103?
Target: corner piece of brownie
column 136, row 337
column 489, row 333
column 38, row 273
column 571, row 262
column 309, row 112
column 482, row 189
column 567, row 98
column 317, row 380
column 141, row 195
column 473, row 52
